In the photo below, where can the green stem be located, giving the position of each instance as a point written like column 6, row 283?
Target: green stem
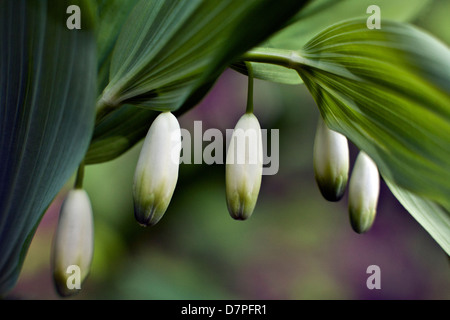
column 80, row 176
column 250, row 88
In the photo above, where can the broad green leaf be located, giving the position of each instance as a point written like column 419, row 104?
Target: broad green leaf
column 169, row 55
column 168, row 49
column 111, row 15
column 317, row 16
column 47, row 110
column 388, row 90
column 433, row 218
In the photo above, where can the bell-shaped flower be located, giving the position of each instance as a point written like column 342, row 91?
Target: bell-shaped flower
column 156, row 172
column 364, row 189
column 244, row 165
column 331, row 162
column 73, row 244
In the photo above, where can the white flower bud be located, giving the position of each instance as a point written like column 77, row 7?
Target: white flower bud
column 156, row 173
column 364, row 189
column 73, row 244
column 331, row 162
column 244, row 165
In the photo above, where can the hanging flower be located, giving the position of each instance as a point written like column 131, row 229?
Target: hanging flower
column 156, row 173
column 244, row 165
column 331, row 162
column 364, row 189
column 73, row 243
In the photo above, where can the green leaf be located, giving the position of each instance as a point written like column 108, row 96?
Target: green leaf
column 387, row 90
column 111, row 15
column 317, row 16
column 168, row 49
column 47, row 99
column 169, row 55
column 321, row 14
column 436, row 21
column 434, row 218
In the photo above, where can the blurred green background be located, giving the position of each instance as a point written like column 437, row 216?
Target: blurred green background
column 295, row 246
